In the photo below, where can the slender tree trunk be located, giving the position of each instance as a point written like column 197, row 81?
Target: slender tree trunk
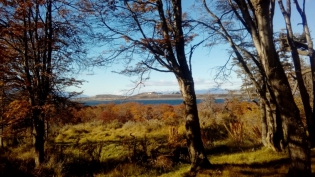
column 38, row 138
column 1, row 118
column 264, row 127
column 298, row 70
column 1, row 136
column 195, row 146
column 311, row 54
column 270, row 116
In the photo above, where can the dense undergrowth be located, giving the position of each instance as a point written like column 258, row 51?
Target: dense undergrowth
column 148, row 140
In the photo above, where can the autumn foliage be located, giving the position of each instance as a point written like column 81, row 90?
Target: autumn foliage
column 132, row 111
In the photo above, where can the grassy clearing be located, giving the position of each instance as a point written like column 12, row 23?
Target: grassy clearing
column 98, row 132
column 143, row 148
column 96, row 149
column 260, row 156
column 261, row 162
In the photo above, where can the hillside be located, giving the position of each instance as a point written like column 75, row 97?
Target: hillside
column 149, row 96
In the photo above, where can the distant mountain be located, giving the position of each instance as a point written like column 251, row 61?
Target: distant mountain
column 174, row 92
column 202, row 91
column 211, row 91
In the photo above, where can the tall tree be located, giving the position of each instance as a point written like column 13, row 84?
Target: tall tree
column 295, row 46
column 153, row 35
column 245, row 56
column 41, row 43
column 260, row 27
column 256, row 16
column 310, row 47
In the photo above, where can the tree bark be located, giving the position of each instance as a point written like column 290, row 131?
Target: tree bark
column 195, row 146
column 271, row 127
column 293, row 129
column 298, row 70
column 272, row 135
column 1, row 136
column 311, row 54
column 264, row 127
column 38, row 138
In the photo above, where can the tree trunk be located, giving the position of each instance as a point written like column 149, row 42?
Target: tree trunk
column 272, row 127
column 277, row 139
column 272, row 135
column 298, row 71
column 270, row 116
column 1, row 126
column 264, row 127
column 38, row 138
column 311, row 54
column 293, row 129
column 195, row 146
column 1, row 136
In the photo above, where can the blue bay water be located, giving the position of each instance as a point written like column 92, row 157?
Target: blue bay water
column 167, row 101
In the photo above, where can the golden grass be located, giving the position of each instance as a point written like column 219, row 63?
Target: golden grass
column 263, row 155
column 77, row 141
column 117, row 140
column 262, row 162
column 87, row 132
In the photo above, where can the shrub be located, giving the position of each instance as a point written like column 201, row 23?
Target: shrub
column 114, row 124
column 212, row 132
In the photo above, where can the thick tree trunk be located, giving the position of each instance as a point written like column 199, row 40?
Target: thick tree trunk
column 293, row 129
column 272, row 135
column 195, row 146
column 277, row 139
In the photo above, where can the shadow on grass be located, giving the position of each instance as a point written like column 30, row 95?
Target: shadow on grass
column 80, row 167
column 16, row 167
column 251, row 170
column 76, row 168
column 228, row 149
column 271, row 164
column 275, row 168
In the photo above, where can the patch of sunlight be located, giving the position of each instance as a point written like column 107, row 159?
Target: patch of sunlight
column 181, row 171
column 113, row 151
column 262, row 155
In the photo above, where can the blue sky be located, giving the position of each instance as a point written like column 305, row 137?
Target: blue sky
column 204, row 62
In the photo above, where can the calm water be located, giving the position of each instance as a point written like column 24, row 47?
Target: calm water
column 171, row 102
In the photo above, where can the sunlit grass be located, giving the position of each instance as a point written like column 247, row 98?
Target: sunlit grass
column 87, row 132
column 180, row 171
column 79, row 145
column 260, row 156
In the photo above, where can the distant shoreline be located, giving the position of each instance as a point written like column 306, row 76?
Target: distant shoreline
column 149, row 97
column 143, row 101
